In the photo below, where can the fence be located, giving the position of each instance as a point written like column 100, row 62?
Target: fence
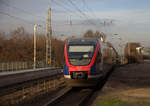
column 13, row 66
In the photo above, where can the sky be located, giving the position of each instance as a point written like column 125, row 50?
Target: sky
column 128, row 19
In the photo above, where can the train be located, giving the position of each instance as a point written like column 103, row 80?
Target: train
column 87, row 61
column 133, row 52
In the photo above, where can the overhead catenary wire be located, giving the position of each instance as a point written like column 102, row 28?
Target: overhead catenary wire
column 23, row 11
column 27, row 12
column 25, row 21
column 81, row 12
column 92, row 12
column 31, row 14
column 15, row 17
column 67, row 10
column 78, row 12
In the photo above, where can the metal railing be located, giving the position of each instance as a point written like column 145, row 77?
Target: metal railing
column 13, row 66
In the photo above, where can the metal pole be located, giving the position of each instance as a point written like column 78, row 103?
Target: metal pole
column 48, row 39
column 34, row 64
column 35, row 29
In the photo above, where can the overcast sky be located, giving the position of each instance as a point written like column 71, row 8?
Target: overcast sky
column 130, row 19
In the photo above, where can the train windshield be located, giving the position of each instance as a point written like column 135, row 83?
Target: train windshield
column 80, row 54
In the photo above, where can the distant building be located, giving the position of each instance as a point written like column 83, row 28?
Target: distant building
column 133, row 52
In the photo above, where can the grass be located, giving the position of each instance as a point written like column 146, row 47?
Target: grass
column 142, row 103
column 118, row 102
column 112, row 102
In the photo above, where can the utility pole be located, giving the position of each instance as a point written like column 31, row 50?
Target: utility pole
column 48, row 39
column 34, row 38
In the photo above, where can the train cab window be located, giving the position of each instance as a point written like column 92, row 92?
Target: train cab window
column 80, row 54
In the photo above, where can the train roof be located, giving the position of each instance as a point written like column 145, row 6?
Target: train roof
column 83, row 41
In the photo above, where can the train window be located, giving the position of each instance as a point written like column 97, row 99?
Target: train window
column 81, row 48
column 80, row 54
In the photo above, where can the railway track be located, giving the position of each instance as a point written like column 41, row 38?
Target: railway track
column 73, row 97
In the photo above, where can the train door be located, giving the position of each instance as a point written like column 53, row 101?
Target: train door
column 99, row 62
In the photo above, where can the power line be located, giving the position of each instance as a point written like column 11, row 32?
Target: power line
column 25, row 21
column 91, row 11
column 67, row 9
column 3, row 13
column 22, row 10
column 80, row 11
column 81, row 14
column 55, row 10
column 26, row 12
column 29, row 13
column 18, row 18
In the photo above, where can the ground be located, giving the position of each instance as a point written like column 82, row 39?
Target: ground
column 128, row 85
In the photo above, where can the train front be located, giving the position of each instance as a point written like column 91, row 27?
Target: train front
column 79, row 67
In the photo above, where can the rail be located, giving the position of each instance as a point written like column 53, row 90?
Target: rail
column 75, row 96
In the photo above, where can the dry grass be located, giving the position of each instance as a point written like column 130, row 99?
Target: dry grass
column 130, row 97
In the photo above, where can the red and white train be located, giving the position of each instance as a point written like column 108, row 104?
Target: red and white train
column 87, row 60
